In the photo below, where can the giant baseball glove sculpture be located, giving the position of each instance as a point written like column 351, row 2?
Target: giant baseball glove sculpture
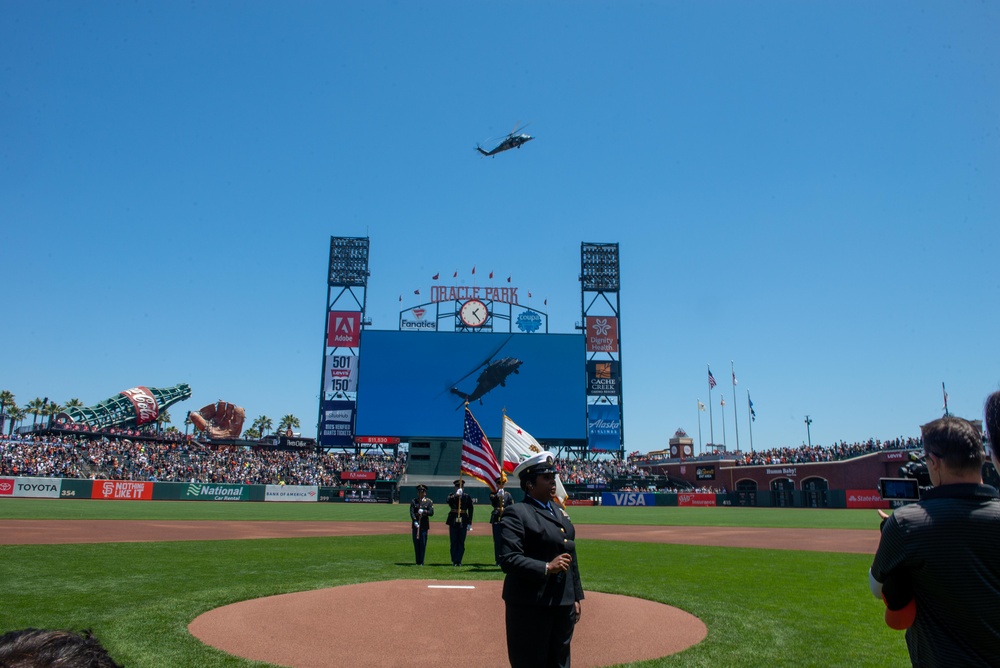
column 219, row 420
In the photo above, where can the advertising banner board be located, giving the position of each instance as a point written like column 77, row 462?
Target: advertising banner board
column 603, row 377
column 865, row 498
column 695, row 499
column 704, row 472
column 291, row 493
column 357, row 475
column 627, row 499
column 341, row 373
column 197, row 491
column 124, row 490
column 604, row 427
column 37, row 488
column 602, row 334
column 337, row 427
column 344, row 329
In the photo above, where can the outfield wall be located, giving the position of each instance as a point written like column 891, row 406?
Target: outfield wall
column 140, row 490
column 135, row 490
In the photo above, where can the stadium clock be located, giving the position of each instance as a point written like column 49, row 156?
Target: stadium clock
column 473, row 313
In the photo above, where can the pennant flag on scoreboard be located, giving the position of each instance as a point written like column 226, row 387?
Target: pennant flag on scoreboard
column 478, row 459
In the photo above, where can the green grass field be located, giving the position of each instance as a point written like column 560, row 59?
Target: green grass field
column 762, row 607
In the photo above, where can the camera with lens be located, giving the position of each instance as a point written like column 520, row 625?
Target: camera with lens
column 914, row 479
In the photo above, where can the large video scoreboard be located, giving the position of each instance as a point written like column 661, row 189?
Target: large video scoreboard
column 410, row 384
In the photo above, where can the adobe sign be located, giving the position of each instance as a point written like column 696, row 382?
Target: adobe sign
column 602, row 334
column 344, row 329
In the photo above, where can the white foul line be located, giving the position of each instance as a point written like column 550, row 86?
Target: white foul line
column 450, row 587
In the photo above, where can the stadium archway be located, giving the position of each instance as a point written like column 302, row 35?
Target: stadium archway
column 815, row 492
column 783, row 492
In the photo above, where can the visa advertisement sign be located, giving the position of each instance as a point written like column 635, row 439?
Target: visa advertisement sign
column 627, row 499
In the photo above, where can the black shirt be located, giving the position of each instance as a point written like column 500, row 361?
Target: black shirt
column 947, row 547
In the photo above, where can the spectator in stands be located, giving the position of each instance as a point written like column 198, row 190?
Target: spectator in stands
column 944, row 550
column 421, row 510
column 42, row 648
column 459, row 521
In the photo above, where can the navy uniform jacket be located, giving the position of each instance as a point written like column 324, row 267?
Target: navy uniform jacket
column 530, row 537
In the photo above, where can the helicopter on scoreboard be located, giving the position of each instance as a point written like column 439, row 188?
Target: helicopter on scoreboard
column 494, row 374
column 515, row 139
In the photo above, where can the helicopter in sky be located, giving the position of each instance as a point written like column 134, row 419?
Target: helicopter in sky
column 514, row 140
column 494, row 374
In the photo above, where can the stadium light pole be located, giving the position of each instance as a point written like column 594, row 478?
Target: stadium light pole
column 808, row 432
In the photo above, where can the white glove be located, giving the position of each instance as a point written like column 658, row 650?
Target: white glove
column 458, row 492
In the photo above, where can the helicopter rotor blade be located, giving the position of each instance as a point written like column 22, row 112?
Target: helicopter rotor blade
column 484, row 362
column 514, row 132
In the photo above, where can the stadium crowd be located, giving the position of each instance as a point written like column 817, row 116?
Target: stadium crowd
column 124, row 459
column 805, row 454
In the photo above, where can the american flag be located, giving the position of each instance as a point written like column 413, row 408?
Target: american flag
column 478, row 459
column 711, row 380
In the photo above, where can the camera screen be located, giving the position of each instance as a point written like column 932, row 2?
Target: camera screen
column 899, row 488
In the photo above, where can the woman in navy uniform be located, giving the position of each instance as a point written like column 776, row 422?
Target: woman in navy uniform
column 542, row 590
column 421, row 510
column 459, row 521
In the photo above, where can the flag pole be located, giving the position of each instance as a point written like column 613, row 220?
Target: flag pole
column 503, row 443
column 698, row 409
column 711, row 425
column 722, row 407
column 736, row 413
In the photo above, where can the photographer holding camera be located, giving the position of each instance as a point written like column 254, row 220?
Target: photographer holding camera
column 942, row 554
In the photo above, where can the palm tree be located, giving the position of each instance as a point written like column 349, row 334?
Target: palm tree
column 287, row 423
column 6, row 402
column 52, row 409
column 74, row 403
column 16, row 414
column 35, row 407
column 161, row 419
column 263, row 424
column 251, row 434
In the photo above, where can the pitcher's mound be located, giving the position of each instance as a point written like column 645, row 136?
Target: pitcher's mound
column 430, row 623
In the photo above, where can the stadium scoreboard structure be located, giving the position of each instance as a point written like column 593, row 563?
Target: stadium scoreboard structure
column 470, row 343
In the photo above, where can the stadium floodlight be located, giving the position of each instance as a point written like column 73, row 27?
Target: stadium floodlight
column 599, row 270
column 348, row 262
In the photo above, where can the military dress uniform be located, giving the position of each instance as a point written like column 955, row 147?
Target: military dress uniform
column 459, row 520
column 540, row 607
column 421, row 523
column 499, row 499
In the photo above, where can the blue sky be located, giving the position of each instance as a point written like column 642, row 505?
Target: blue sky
column 807, row 189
